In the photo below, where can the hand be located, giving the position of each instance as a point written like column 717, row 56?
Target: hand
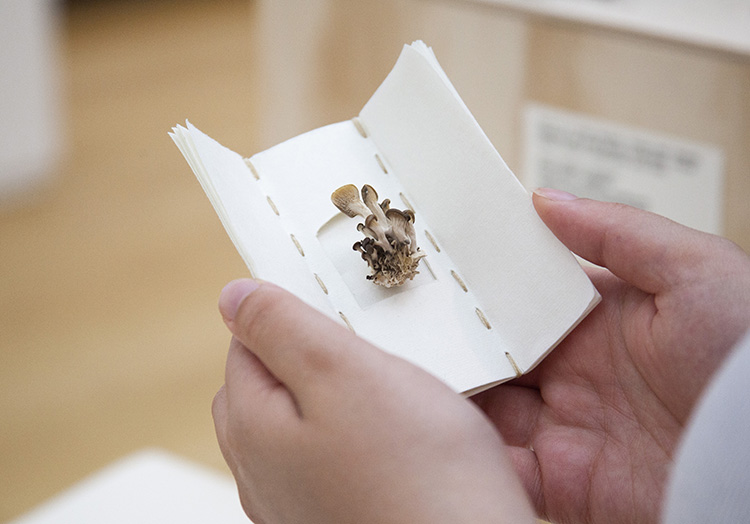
column 593, row 428
column 318, row 426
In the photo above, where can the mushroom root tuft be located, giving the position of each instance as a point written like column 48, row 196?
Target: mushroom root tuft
column 390, row 243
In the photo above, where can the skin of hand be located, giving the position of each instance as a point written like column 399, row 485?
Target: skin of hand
column 592, row 430
column 319, row 426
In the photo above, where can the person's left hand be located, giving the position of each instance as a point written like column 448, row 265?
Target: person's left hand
column 318, row 426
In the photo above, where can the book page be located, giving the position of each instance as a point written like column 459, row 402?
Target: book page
column 496, row 290
column 530, row 287
column 295, row 237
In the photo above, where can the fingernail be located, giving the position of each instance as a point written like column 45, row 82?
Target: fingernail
column 555, row 194
column 233, row 294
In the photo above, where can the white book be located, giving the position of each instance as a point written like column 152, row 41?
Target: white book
column 496, row 290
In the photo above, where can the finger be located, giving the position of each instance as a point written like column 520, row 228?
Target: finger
column 526, row 466
column 644, row 249
column 298, row 345
column 254, row 396
column 219, row 412
column 514, row 410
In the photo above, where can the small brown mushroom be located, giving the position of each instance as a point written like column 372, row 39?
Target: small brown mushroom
column 398, row 223
column 346, row 198
column 370, row 198
column 390, row 243
column 410, row 231
column 372, row 227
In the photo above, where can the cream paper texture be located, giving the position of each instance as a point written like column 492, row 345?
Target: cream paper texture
column 518, row 291
column 530, row 286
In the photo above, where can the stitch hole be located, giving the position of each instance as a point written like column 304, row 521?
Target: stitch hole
column 432, row 240
column 483, row 318
column 360, row 127
column 406, row 202
column 513, row 363
column 254, row 171
column 273, row 206
column 321, row 284
column 381, row 164
column 297, row 245
column 346, row 321
column 460, row 281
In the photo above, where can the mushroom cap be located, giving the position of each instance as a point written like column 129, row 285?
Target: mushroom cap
column 399, row 224
column 346, row 199
column 389, row 245
column 370, row 197
column 368, row 194
column 396, row 214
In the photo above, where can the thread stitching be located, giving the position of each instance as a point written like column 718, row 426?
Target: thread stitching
column 513, row 363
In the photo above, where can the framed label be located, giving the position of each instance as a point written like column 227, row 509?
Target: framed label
column 605, row 160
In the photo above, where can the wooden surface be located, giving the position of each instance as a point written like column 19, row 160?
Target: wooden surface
column 679, row 90
column 109, row 336
column 500, row 61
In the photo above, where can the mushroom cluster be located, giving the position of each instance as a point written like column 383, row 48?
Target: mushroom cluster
column 390, row 243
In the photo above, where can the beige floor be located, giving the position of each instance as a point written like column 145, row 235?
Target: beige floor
column 109, row 336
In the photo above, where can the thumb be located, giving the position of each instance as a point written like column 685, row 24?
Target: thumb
column 296, row 343
column 647, row 250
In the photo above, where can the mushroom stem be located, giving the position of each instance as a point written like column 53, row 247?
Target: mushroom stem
column 370, row 198
column 390, row 243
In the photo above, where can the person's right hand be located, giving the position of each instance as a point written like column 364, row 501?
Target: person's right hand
column 320, row 426
column 593, row 429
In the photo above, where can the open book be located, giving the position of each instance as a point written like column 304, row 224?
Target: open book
column 496, row 290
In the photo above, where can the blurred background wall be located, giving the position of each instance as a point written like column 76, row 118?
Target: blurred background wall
column 674, row 87
column 111, row 258
column 30, row 130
